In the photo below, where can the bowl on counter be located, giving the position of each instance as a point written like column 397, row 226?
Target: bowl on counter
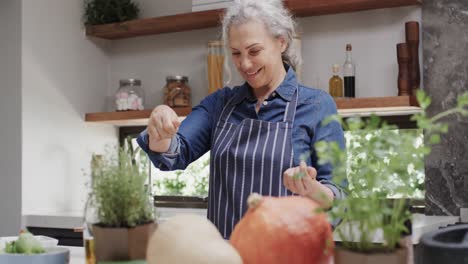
column 53, row 255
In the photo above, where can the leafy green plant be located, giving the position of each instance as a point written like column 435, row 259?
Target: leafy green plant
column 193, row 181
column 384, row 156
column 119, row 192
column 98, row 12
column 174, row 185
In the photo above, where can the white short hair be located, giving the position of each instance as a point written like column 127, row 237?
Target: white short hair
column 276, row 18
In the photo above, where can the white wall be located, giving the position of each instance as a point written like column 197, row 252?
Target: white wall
column 64, row 76
column 10, row 117
column 374, row 35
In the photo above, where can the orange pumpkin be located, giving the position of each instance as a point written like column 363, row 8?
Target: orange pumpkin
column 278, row 230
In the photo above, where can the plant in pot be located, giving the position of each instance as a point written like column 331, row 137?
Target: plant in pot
column 372, row 226
column 97, row 12
column 119, row 211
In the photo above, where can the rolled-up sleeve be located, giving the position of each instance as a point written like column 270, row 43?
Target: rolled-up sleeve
column 193, row 138
column 163, row 161
column 330, row 132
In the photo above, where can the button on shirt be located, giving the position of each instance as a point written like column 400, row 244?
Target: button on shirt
column 195, row 135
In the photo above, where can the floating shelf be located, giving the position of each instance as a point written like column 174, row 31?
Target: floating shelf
column 129, row 118
column 375, row 102
column 382, row 106
column 211, row 18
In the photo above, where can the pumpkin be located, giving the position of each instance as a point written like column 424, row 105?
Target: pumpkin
column 189, row 238
column 288, row 230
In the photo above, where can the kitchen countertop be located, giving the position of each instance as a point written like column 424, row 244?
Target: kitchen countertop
column 421, row 223
column 72, row 220
column 77, row 255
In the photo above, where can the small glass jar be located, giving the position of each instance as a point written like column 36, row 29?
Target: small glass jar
column 177, row 91
column 129, row 96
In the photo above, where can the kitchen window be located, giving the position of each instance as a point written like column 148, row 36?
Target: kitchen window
column 189, row 187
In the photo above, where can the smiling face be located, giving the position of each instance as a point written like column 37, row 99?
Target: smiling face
column 257, row 56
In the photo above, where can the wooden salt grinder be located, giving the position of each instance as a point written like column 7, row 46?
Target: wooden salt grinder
column 404, row 84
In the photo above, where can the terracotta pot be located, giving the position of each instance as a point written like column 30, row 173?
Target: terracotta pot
column 114, row 244
column 344, row 256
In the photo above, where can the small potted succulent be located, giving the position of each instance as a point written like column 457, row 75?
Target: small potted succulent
column 120, row 211
column 371, row 224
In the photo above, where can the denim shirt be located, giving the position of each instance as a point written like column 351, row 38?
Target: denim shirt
column 195, row 134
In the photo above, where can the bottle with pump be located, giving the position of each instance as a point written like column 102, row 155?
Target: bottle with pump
column 336, row 83
column 349, row 70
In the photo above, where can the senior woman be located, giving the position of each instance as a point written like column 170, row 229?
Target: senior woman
column 256, row 131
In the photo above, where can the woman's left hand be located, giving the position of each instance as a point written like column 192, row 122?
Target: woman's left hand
column 307, row 185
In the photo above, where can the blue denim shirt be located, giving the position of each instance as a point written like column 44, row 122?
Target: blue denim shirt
column 194, row 137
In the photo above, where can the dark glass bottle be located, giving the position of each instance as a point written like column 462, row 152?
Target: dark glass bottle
column 349, row 70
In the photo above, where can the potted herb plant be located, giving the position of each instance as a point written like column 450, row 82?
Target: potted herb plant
column 371, row 224
column 122, row 213
column 97, row 12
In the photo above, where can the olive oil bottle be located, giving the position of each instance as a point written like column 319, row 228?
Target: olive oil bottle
column 335, row 87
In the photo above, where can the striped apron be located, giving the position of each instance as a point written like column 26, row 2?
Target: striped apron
column 247, row 157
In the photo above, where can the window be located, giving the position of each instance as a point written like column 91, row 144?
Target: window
column 191, row 184
column 414, row 165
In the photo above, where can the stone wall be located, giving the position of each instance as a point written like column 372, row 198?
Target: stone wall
column 445, row 66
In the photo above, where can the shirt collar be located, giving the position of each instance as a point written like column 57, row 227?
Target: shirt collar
column 286, row 89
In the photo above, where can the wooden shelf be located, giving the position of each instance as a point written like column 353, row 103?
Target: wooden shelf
column 375, row 102
column 129, row 118
column 211, row 18
column 382, row 106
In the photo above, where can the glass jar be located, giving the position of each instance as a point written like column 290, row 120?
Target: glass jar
column 177, row 91
column 129, row 96
column 215, row 62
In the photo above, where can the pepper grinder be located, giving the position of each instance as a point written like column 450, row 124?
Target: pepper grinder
column 412, row 38
column 404, row 82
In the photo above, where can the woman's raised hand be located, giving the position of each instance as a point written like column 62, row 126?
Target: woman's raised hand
column 163, row 124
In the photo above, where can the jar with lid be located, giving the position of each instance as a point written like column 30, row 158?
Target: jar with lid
column 177, row 91
column 129, row 96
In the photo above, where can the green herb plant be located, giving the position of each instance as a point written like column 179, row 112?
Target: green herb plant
column 119, row 193
column 381, row 169
column 98, row 12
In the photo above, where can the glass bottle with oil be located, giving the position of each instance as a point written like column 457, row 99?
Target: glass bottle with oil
column 349, row 71
column 335, row 87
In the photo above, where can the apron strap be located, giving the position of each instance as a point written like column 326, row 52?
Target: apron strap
column 290, row 113
column 227, row 110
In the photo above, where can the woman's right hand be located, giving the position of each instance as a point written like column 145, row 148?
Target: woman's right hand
column 162, row 126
